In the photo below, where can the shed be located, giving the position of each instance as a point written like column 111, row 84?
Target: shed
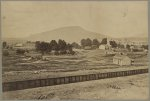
column 121, row 59
column 105, row 47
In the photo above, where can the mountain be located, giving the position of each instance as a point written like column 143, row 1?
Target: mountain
column 134, row 39
column 69, row 34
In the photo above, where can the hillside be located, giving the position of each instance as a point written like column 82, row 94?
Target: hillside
column 69, row 34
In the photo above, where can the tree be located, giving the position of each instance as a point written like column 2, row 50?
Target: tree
column 37, row 45
column 4, row 44
column 83, row 42
column 20, row 51
column 145, row 46
column 54, row 45
column 120, row 46
column 88, row 42
column 128, row 47
column 62, row 45
column 95, row 42
column 5, row 53
column 69, row 47
column 75, row 45
column 44, row 47
column 104, row 41
column 113, row 44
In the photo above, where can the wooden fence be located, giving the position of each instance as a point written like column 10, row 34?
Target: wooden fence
column 19, row 85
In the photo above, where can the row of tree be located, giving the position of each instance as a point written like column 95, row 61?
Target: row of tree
column 89, row 42
column 95, row 42
column 60, row 47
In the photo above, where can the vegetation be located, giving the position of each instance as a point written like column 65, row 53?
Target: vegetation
column 4, row 44
column 5, row 53
column 20, row 51
column 128, row 47
column 75, row 45
column 60, row 47
column 89, row 42
column 145, row 46
column 104, row 41
column 113, row 44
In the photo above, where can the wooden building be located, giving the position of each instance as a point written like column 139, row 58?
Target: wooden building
column 121, row 59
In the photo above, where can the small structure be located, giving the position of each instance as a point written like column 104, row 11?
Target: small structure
column 105, row 47
column 19, row 45
column 102, row 47
column 121, row 59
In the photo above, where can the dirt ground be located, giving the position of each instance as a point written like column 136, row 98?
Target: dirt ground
column 85, row 61
column 124, row 88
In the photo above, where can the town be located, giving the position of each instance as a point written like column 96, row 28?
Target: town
column 63, row 50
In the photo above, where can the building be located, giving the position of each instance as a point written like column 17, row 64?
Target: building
column 27, row 45
column 121, row 59
column 105, row 46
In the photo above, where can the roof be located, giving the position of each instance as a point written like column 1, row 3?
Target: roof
column 119, row 56
column 19, row 45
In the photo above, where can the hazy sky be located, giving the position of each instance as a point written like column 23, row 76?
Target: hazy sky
column 116, row 18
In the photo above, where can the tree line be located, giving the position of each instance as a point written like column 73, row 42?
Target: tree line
column 96, row 43
column 60, row 47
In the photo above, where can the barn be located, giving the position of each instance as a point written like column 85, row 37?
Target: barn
column 121, row 60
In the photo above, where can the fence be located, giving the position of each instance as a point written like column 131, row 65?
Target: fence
column 18, row 85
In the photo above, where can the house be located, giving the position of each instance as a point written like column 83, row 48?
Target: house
column 26, row 46
column 121, row 59
column 105, row 47
column 102, row 47
column 19, row 45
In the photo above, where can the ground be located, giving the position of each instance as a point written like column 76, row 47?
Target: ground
column 124, row 88
column 16, row 67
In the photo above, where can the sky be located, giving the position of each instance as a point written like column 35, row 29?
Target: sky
column 112, row 18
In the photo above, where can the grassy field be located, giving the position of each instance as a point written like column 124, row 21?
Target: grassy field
column 17, row 67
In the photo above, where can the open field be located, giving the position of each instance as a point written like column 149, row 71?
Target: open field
column 84, row 62
column 131, row 87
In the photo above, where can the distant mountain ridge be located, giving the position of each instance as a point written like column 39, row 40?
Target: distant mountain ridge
column 69, row 34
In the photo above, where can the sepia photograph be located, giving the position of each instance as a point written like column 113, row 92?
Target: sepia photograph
column 74, row 50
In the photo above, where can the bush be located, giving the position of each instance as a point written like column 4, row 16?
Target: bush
column 56, row 53
column 72, row 52
column 63, row 52
column 5, row 53
column 20, row 51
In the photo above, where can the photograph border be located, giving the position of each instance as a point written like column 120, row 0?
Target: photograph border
column 75, row 1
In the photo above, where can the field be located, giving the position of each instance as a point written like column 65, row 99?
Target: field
column 17, row 67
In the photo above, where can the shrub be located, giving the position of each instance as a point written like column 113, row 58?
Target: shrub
column 5, row 53
column 63, row 52
column 72, row 52
column 56, row 53
column 20, row 51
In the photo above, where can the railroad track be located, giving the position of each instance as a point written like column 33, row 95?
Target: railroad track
column 19, row 85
